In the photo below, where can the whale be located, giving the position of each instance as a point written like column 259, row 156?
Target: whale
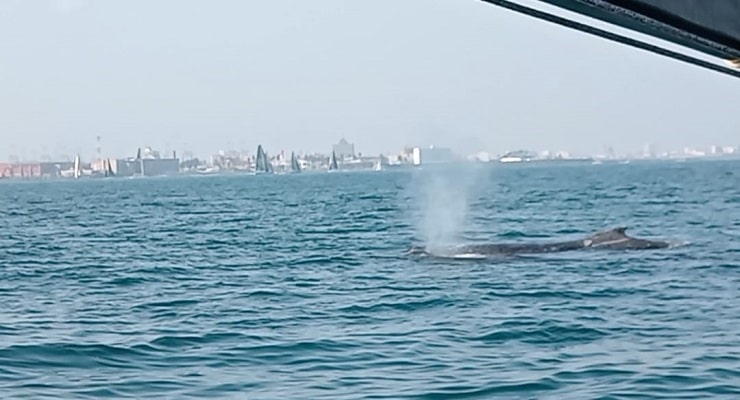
column 609, row 239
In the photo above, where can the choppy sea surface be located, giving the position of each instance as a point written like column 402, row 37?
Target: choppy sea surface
column 296, row 286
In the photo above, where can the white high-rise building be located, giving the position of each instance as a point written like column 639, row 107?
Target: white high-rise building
column 344, row 149
column 431, row 155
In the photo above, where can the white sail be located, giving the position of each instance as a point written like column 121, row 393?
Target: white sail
column 77, row 172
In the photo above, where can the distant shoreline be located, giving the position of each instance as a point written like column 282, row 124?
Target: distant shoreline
column 396, row 167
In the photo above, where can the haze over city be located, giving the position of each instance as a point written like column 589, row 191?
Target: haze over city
column 205, row 76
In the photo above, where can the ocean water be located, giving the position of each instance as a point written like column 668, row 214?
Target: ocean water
column 296, row 286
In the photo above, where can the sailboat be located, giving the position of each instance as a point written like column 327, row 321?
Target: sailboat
column 141, row 161
column 333, row 166
column 295, row 167
column 263, row 165
column 76, row 171
column 108, row 168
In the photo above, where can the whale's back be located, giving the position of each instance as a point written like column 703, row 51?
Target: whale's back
column 617, row 238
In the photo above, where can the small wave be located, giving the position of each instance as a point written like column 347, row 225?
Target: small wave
column 290, row 351
column 179, row 342
column 335, row 230
column 568, row 294
column 547, row 333
column 726, row 373
column 408, row 306
column 491, row 390
column 7, row 330
column 128, row 281
column 594, row 372
column 325, row 260
column 169, row 304
column 263, row 293
column 152, row 204
column 72, row 355
column 678, row 244
column 221, row 389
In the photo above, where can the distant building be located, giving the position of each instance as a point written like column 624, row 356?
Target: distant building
column 148, row 162
column 520, row 156
column 101, row 165
column 149, row 153
column 124, row 166
column 160, row 166
column 52, row 169
column 344, row 149
column 482, row 156
column 431, row 155
column 20, row 170
column 649, row 150
column 231, row 160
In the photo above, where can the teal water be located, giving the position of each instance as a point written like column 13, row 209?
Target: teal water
column 295, row 287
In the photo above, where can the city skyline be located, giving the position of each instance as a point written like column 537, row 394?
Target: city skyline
column 649, row 149
column 152, row 162
column 298, row 77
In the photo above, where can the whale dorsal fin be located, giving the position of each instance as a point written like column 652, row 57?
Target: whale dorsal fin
column 609, row 236
column 619, row 230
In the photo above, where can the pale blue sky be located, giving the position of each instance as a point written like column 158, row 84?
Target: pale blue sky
column 298, row 75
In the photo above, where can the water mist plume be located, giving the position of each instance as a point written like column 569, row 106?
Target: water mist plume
column 442, row 197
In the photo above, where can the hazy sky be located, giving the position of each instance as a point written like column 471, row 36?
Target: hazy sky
column 299, row 75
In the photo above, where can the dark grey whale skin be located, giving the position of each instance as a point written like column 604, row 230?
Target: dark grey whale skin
column 612, row 239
